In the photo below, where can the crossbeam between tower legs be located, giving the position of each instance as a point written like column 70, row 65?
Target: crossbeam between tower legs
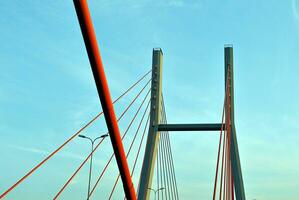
column 191, row 127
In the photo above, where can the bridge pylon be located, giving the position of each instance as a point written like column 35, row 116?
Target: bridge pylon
column 234, row 151
column 157, row 125
column 153, row 137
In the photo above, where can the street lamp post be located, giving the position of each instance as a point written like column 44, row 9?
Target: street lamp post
column 90, row 165
column 156, row 191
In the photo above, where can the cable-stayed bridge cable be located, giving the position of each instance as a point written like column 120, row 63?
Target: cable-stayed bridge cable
column 171, row 188
column 161, row 170
column 172, row 168
column 157, row 171
column 141, row 142
column 121, row 116
column 131, row 145
column 109, row 161
column 140, row 145
column 67, row 141
column 169, row 153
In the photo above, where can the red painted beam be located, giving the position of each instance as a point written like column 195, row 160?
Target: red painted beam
column 104, row 94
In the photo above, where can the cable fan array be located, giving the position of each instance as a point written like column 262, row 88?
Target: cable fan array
column 166, row 177
column 144, row 105
column 226, row 183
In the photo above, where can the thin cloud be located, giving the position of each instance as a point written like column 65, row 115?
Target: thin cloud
column 145, row 3
column 295, row 9
column 44, row 152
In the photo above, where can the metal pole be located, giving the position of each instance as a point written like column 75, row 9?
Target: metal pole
column 153, row 134
column 90, row 169
column 95, row 60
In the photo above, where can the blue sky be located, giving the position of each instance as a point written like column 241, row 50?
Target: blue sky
column 47, row 90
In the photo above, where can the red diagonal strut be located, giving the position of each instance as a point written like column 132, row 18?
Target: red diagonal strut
column 104, row 94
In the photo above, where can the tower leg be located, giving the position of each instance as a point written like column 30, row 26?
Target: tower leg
column 153, row 137
column 235, row 159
